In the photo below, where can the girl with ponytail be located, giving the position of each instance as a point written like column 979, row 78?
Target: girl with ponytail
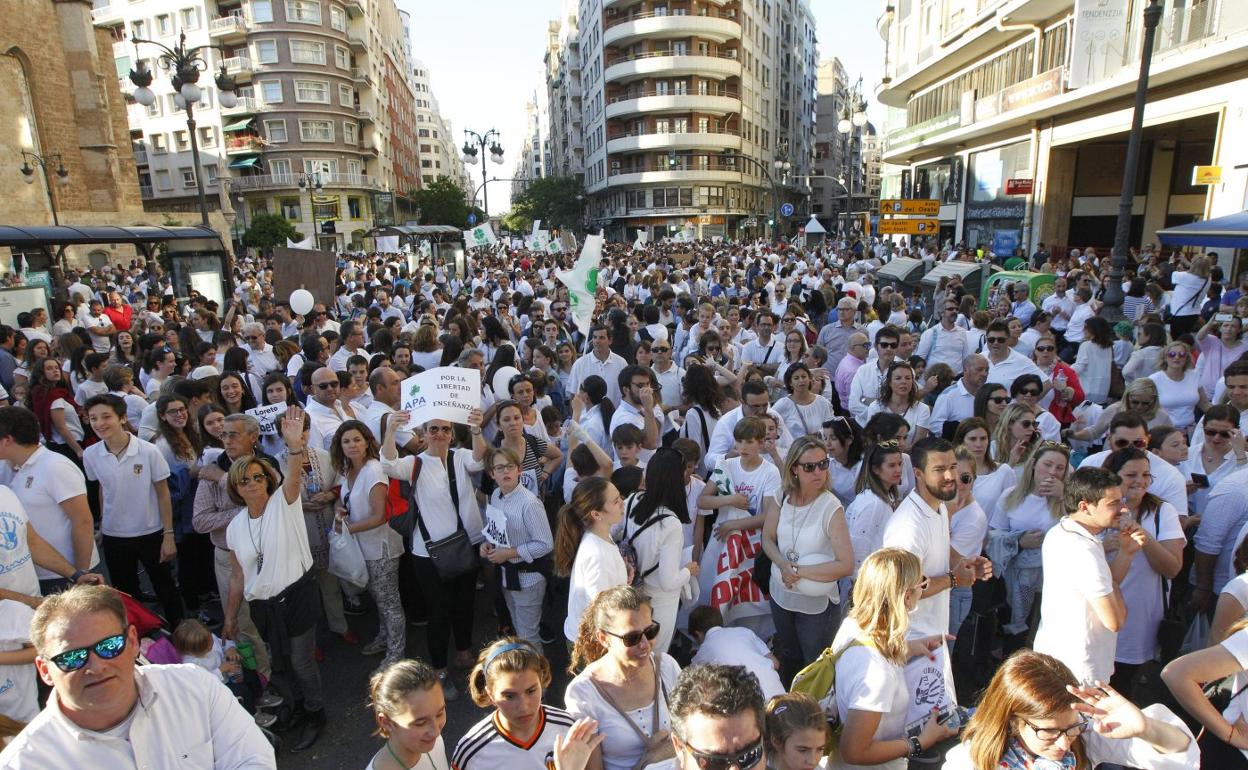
column 584, row 549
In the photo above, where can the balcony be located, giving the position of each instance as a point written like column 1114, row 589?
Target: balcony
column 369, row 147
column 623, row 69
column 247, row 105
column 725, row 139
column 140, row 156
column 619, row 177
column 146, row 191
column 244, row 145
column 105, row 15
column 361, row 77
column 228, row 29
column 365, row 114
column 717, row 102
column 357, row 41
column 240, row 67
column 355, row 8
column 286, row 181
column 628, row 30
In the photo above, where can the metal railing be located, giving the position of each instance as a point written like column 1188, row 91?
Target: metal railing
column 728, row 92
column 651, row 15
column 145, row 191
column 227, row 24
column 235, row 64
column 623, row 58
column 245, row 104
column 272, row 181
column 140, row 157
column 691, row 167
column 627, row 134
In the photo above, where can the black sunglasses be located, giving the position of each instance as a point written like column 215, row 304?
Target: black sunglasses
column 746, row 759
column 1045, row 348
column 821, row 465
column 327, row 385
column 1028, row 392
column 107, row 648
column 995, row 340
column 999, row 399
column 1211, row 433
column 966, row 478
column 633, row 638
column 886, row 345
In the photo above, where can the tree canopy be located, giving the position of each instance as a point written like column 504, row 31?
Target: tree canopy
column 442, row 202
column 550, row 199
column 268, row 231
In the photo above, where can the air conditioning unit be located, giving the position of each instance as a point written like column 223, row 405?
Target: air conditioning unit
column 615, row 164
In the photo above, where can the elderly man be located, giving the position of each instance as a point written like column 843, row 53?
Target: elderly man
column 213, row 511
column 324, row 407
column 1023, row 308
column 957, row 402
column 106, row 712
column 384, row 383
column 834, row 337
column 856, row 350
column 260, row 356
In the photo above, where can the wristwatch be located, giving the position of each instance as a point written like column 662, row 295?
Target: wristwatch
column 77, row 575
column 916, row 747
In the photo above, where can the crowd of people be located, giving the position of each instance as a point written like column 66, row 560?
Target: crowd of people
column 767, row 507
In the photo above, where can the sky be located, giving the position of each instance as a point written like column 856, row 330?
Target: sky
column 485, row 62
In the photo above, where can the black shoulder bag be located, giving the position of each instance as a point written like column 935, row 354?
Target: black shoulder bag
column 453, row 555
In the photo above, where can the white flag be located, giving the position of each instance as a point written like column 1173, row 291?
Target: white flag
column 582, row 282
column 481, row 235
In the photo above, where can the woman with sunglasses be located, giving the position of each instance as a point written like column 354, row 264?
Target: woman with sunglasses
column 871, row 652
column 990, row 401
column 1178, row 385
column 1036, row 714
column 877, row 494
column 802, row 410
column 1149, row 341
column 271, row 567
column 1141, row 397
column 714, row 353
column 808, row 542
column 1157, row 561
column 623, row 680
column 899, row 395
column 1025, row 515
column 991, row 478
column 1015, row 435
column 1221, row 453
column 1026, row 390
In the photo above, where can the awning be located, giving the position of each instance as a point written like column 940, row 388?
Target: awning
column 239, row 125
column 1230, row 231
column 247, row 162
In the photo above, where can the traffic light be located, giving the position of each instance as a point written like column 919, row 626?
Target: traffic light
column 771, row 221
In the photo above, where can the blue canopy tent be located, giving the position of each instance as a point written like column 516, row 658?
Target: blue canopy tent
column 1230, row 231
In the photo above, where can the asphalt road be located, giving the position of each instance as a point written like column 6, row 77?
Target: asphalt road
column 348, row 742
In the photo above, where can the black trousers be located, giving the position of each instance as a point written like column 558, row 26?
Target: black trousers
column 196, row 575
column 123, row 556
column 450, row 604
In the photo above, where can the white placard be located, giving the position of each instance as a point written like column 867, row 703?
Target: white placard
column 495, row 529
column 267, row 416
column 208, row 284
column 21, row 299
column 929, row 683
column 446, row 393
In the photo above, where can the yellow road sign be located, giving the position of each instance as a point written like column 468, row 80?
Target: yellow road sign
column 922, row 207
column 908, row 227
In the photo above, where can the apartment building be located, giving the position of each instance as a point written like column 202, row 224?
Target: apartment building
column 319, row 133
column 691, row 110
column 439, row 154
column 1015, row 115
column 846, row 168
column 564, row 94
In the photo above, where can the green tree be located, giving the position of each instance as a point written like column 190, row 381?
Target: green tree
column 554, row 200
column 442, row 202
column 516, row 223
column 268, row 231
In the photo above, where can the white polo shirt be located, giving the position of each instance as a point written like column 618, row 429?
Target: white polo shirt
column 131, row 508
column 42, row 484
column 954, row 404
column 1075, row 574
column 924, row 532
column 1014, row 366
column 17, row 568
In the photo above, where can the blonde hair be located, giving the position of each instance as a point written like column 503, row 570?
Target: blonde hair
column 508, row 655
column 389, row 688
column 1027, row 479
column 1001, row 438
column 879, row 600
column 76, row 601
column 587, row 648
column 1165, row 352
column 239, row 469
column 790, row 712
column 1143, row 388
column 803, row 444
column 192, row 638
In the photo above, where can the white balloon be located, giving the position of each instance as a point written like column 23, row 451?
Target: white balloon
column 501, row 378
column 808, row 587
column 301, row 301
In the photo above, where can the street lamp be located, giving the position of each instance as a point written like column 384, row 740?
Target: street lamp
column 850, row 121
column 313, row 185
column 473, row 141
column 185, row 64
column 1112, row 299
column 43, row 162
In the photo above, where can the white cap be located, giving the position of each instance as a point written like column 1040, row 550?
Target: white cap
column 204, row 372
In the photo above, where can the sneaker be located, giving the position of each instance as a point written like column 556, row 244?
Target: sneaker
column 449, row 693
column 375, row 647
column 265, row 720
column 546, row 634
column 270, row 700
column 353, row 606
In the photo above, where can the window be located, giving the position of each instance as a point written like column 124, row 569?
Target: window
column 355, row 208
column 636, row 199
column 320, row 166
column 316, row 130
column 355, row 168
column 337, row 18
column 159, row 144
column 164, row 24
column 350, row 130
column 188, row 176
column 271, row 91
column 208, row 136
column 164, row 181
column 275, row 132
column 280, row 169
column 138, row 28
column 266, row 51
column 155, row 110
column 346, row 97
column 261, row 11
column 342, row 58
column 291, row 209
column 423, row 133
column 307, row 52
column 210, row 175
column 426, row 148
column 181, row 141
column 312, row 91
column 303, row 11
column 189, row 18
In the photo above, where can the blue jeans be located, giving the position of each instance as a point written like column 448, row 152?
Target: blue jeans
column 959, row 608
column 800, row 636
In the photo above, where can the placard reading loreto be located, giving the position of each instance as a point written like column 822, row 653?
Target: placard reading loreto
column 446, row 393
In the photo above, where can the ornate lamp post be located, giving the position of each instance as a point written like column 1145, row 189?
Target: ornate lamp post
column 43, row 162
column 186, row 65
column 851, row 120
column 474, row 143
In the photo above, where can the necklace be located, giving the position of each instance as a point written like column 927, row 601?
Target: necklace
column 398, row 761
column 259, row 553
column 792, row 555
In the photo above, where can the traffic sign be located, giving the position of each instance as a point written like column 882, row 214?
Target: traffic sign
column 921, row 206
column 786, row 209
column 1202, row 175
column 472, row 219
column 908, row 227
column 1019, row 186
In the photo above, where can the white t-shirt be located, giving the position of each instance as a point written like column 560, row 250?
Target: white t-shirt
column 433, row 490
column 45, row 482
column 73, row 423
column 990, row 488
column 1179, row 399
column 1031, row 515
column 806, row 530
column 434, row 760
column 867, row 681
column 128, row 483
column 967, row 530
column 379, row 542
column 1075, row 574
column 1141, row 590
column 597, row 567
column 281, row 535
column 19, row 697
column 924, row 532
column 17, row 568
column 1237, row 645
column 741, row 647
column 865, row 517
column 757, row 485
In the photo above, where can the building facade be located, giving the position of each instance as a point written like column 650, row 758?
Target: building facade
column 564, row 95
column 439, row 154
column 1014, row 114
column 684, row 126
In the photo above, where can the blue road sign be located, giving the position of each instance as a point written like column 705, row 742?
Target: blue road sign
column 786, row 209
column 472, row 220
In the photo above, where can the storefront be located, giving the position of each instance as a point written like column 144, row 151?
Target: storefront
column 993, row 220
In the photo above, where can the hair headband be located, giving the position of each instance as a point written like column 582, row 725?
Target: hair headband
column 505, row 648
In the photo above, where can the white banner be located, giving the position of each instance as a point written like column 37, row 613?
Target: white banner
column 481, row 235
column 267, row 416
column 446, row 393
column 1099, row 43
column 930, row 684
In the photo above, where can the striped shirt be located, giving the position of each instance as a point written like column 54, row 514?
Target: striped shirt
column 518, row 520
column 488, row 746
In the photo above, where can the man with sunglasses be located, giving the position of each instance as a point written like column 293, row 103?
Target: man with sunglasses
column 1005, row 364
column 944, row 342
column 324, row 407
column 260, row 356
column 865, row 387
column 1128, row 429
column 717, row 719
column 107, row 712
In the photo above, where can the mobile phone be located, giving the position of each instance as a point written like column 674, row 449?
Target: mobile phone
column 1200, row 480
column 1223, row 317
